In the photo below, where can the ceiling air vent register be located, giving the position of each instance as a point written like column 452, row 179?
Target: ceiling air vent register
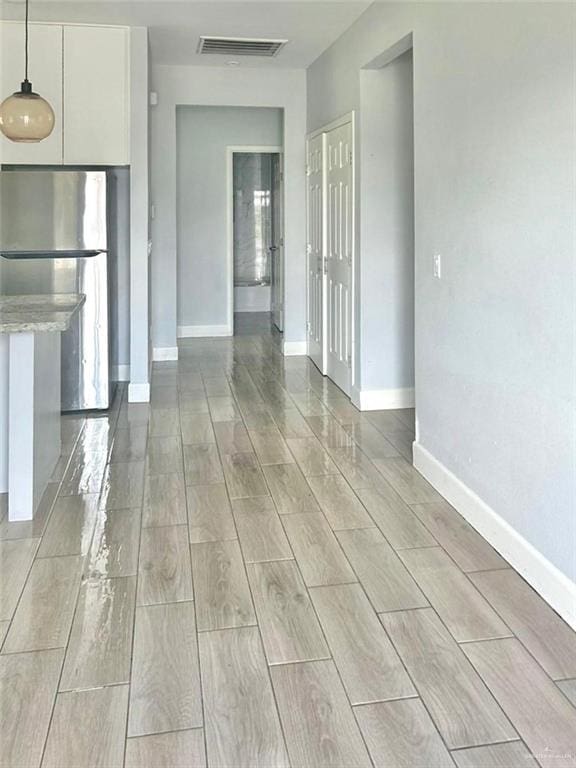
column 239, row 46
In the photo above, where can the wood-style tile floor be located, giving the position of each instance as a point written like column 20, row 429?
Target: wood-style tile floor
column 249, row 572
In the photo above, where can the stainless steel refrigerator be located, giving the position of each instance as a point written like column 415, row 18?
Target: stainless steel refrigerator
column 54, row 239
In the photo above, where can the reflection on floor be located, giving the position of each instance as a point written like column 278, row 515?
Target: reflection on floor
column 249, row 572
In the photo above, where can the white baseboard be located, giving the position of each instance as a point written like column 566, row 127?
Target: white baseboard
column 138, row 393
column 382, row 399
column 201, row 331
column 290, row 348
column 120, row 372
column 554, row 586
column 164, row 354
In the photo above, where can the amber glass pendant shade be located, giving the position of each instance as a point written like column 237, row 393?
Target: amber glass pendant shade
column 25, row 116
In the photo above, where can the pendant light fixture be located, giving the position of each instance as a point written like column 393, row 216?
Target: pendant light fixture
column 26, row 116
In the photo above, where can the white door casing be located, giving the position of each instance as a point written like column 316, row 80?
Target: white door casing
column 339, row 254
column 277, row 248
column 315, row 249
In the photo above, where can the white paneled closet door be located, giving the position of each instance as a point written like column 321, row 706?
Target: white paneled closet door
column 315, row 249
column 339, row 245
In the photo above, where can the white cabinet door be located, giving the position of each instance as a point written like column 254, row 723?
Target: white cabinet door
column 96, row 96
column 315, row 225
column 339, row 245
column 45, row 74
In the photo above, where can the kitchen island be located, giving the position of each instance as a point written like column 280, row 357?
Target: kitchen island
column 30, row 328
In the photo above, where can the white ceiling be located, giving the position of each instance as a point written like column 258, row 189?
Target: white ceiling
column 175, row 25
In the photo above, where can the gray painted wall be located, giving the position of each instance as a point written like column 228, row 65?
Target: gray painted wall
column 494, row 119
column 203, row 134
column 223, row 86
column 386, row 306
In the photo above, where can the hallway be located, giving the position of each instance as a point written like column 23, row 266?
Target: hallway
column 249, row 572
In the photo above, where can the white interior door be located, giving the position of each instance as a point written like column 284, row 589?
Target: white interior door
column 277, row 247
column 315, row 249
column 339, row 245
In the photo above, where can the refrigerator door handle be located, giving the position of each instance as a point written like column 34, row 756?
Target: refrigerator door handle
column 15, row 255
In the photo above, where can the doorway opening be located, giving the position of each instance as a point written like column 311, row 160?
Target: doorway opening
column 256, row 238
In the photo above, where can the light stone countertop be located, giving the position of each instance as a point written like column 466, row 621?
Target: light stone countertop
column 36, row 313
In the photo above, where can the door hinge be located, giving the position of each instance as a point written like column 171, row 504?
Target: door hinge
column 307, row 170
column 349, row 360
column 308, row 326
column 308, row 249
column 351, row 157
column 325, row 260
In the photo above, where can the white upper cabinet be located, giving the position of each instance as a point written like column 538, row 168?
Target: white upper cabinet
column 84, row 72
column 45, row 74
column 96, row 96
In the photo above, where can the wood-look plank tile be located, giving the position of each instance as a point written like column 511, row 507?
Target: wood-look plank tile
column 406, row 481
column 329, row 432
column 541, row 714
column 196, row 429
column 29, row 529
column 202, row 465
column 464, row 545
column 85, row 472
column 370, row 440
column 387, row 582
column 193, row 402
column 260, row 531
column 289, row 489
column 123, row 485
column 292, row 424
column 310, row 405
column 15, row 561
column 223, row 409
column 243, row 476
column 568, row 688
column 395, row 518
column 28, row 683
column 221, row 587
column 209, row 514
column 165, row 574
column 242, row 725
column 270, row 446
column 289, row 627
column 311, row 457
column 71, row 526
column 176, row 749
column 385, row 421
column 318, row 721
column 129, row 444
column 165, row 688
column 114, row 548
column 188, row 381
column 256, row 416
column 511, row 755
column 133, row 414
column 217, row 386
column 460, row 606
column 101, row 638
column 339, row 503
column 356, row 467
column 164, row 422
column 232, row 437
column 400, row 734
column 548, row 638
column 319, row 556
column 369, row 666
column 458, row 701
column 403, row 441
column 4, row 626
column 44, row 614
column 164, row 396
column 164, row 455
column 88, row 728
column 164, row 501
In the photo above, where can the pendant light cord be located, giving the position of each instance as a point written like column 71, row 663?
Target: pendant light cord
column 26, row 45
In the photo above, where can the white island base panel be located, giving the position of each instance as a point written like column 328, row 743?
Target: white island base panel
column 34, row 439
